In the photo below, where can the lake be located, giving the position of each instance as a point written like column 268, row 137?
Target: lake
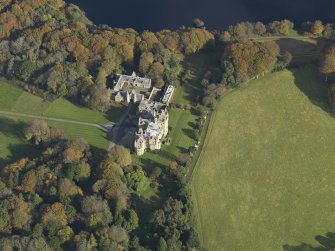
column 218, row 14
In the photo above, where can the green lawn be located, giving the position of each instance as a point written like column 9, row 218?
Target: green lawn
column 12, row 144
column 17, row 100
column 181, row 122
column 266, row 175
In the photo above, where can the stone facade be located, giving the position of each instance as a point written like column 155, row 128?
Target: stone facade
column 153, row 126
column 131, row 88
column 153, row 122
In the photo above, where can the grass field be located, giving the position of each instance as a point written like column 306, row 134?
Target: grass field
column 17, row 100
column 266, row 175
column 12, row 144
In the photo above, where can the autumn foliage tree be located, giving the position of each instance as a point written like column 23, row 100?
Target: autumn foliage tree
column 317, row 27
column 327, row 65
column 248, row 59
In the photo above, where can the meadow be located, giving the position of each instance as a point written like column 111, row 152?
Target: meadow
column 264, row 179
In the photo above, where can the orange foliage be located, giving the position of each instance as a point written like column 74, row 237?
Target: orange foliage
column 8, row 23
column 54, row 213
column 16, row 166
column 29, row 181
column 74, row 46
column 98, row 44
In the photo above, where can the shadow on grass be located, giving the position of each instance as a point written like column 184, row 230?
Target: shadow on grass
column 13, row 129
column 327, row 243
column 307, row 77
column 300, row 47
column 167, row 155
column 189, row 133
column 149, row 163
column 309, row 81
column 198, row 64
column 115, row 113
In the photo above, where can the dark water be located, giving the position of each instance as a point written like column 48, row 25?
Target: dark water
column 218, row 14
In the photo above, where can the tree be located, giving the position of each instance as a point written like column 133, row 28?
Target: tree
column 4, row 219
column 97, row 97
column 317, row 27
column 21, row 220
column 259, row 28
column 54, row 214
column 248, row 59
column 198, row 23
column 137, row 180
column 37, row 131
column 280, row 27
column 327, row 66
column 75, row 151
column 25, row 70
column 82, row 171
column 132, row 220
column 109, row 169
column 185, row 159
column 120, row 155
column 68, row 188
column 146, row 60
column 162, row 246
column 29, row 181
column 65, row 234
column 96, row 211
column 156, row 70
column 240, row 31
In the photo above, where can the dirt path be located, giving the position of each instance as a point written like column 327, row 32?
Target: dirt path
column 16, row 114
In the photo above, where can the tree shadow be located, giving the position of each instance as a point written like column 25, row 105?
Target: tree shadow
column 327, row 243
column 19, row 151
column 189, row 133
column 182, row 149
column 167, row 155
column 192, row 125
column 11, row 128
column 198, row 63
column 306, row 54
column 303, row 47
column 310, row 82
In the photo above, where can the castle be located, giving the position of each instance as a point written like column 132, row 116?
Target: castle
column 153, row 121
column 131, row 88
column 153, row 126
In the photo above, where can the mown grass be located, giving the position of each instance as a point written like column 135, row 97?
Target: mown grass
column 265, row 177
column 12, row 143
column 16, row 100
column 94, row 136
